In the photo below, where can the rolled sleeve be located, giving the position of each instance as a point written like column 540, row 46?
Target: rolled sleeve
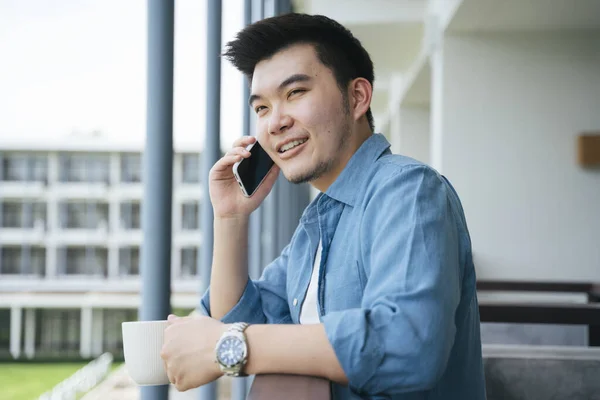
column 263, row 300
column 401, row 338
column 248, row 308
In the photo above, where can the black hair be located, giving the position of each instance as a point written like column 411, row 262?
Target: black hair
column 334, row 45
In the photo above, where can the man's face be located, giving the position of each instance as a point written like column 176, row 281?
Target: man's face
column 303, row 120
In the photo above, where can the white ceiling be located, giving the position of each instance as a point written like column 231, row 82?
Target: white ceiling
column 365, row 11
column 525, row 15
column 392, row 46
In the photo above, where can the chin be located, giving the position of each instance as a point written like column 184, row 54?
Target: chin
column 297, row 176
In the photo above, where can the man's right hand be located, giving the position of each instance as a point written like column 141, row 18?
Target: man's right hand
column 227, row 199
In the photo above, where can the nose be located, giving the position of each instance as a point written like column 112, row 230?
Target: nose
column 279, row 122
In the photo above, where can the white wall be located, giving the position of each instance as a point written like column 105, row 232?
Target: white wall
column 512, row 107
column 414, row 133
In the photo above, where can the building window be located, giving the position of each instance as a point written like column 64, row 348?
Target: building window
column 74, row 215
column 58, row 332
column 23, row 214
column 91, row 168
column 131, row 168
column 189, row 262
column 130, row 215
column 11, row 260
column 86, row 261
column 112, row 338
column 191, row 168
column 38, row 261
column 39, row 168
column 129, row 261
column 98, row 168
column 14, row 167
column 83, row 215
column 5, row 333
column 23, row 260
column 11, row 215
column 189, row 216
column 39, row 219
column 72, row 168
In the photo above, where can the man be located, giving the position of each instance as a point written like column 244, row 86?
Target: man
column 376, row 289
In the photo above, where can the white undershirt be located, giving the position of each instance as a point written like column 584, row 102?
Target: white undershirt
column 310, row 310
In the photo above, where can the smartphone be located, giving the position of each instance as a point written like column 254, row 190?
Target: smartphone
column 251, row 171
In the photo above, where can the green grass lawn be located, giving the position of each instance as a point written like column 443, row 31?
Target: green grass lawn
column 27, row 381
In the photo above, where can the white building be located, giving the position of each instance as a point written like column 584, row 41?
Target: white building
column 70, row 243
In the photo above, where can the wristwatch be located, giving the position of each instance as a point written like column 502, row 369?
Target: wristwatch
column 231, row 352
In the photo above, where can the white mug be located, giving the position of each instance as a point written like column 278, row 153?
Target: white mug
column 142, row 343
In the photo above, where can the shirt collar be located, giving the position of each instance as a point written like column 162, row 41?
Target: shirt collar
column 353, row 176
column 356, row 172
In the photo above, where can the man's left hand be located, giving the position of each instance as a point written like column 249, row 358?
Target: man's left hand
column 189, row 350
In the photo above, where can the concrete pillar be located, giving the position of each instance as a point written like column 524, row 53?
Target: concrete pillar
column 26, row 222
column 114, row 223
column 50, row 260
column 16, row 314
column 211, row 154
column 253, row 12
column 85, row 343
column 113, row 261
column 52, row 217
column 212, row 148
column 30, row 333
column 114, row 175
column 97, row 331
column 239, row 387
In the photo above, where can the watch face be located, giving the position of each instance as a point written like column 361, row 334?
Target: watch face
column 231, row 351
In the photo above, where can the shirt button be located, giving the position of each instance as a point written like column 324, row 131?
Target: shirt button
column 295, row 302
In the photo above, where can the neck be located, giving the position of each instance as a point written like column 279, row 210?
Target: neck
column 355, row 140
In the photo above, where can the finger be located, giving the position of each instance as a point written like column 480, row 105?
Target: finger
column 172, row 379
column 244, row 141
column 239, row 151
column 172, row 317
column 169, row 373
column 226, row 163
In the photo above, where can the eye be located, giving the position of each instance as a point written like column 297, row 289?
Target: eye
column 259, row 109
column 295, row 91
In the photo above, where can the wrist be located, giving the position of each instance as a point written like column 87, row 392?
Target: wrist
column 231, row 220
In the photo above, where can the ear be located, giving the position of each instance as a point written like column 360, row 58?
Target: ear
column 360, row 93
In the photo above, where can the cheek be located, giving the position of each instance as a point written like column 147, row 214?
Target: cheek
column 320, row 113
column 312, row 114
column 262, row 132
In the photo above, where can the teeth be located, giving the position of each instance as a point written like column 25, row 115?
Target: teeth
column 291, row 145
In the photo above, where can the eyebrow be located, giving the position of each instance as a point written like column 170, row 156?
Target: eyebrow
column 288, row 81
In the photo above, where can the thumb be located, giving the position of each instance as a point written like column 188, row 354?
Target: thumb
column 172, row 317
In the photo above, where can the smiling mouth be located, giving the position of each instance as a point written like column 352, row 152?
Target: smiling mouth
column 291, row 145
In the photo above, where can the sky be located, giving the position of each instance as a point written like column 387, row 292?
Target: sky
column 76, row 66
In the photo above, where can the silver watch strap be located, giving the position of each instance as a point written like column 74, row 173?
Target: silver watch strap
column 239, row 327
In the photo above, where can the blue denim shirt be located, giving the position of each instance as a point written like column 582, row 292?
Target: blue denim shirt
column 396, row 292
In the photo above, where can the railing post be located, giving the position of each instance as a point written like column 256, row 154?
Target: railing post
column 157, row 174
column 212, row 151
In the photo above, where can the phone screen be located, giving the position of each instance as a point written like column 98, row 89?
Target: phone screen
column 252, row 170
